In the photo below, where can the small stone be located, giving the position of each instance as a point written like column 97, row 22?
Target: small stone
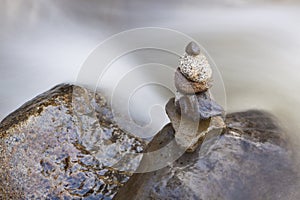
column 190, row 134
column 192, row 49
column 195, row 68
column 197, row 107
column 190, row 87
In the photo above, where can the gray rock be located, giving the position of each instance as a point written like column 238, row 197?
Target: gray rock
column 190, row 134
column 251, row 160
column 198, row 107
column 192, row 49
column 64, row 144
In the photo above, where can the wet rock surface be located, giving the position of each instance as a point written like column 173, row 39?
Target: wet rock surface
column 251, row 160
column 64, row 144
column 190, row 134
column 197, row 107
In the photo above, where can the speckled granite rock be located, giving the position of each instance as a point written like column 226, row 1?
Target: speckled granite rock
column 251, row 160
column 195, row 67
column 64, row 144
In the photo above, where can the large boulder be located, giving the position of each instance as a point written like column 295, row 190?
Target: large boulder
column 250, row 160
column 64, row 144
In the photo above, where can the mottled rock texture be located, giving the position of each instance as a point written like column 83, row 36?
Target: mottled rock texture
column 186, row 86
column 251, row 160
column 195, row 68
column 64, row 144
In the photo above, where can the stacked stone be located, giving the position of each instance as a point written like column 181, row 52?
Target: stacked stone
column 193, row 102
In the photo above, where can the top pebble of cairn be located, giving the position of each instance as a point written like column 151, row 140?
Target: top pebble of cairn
column 194, row 65
column 192, row 49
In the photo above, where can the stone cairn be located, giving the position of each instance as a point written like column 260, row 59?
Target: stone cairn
column 193, row 108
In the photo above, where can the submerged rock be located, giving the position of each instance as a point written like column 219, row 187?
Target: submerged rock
column 251, row 160
column 64, row 144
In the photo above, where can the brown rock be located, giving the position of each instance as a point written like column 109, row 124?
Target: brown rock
column 186, row 86
column 64, row 144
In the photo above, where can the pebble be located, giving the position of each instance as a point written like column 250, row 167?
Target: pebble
column 192, row 49
column 189, row 134
column 197, row 107
column 186, row 86
column 195, row 67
